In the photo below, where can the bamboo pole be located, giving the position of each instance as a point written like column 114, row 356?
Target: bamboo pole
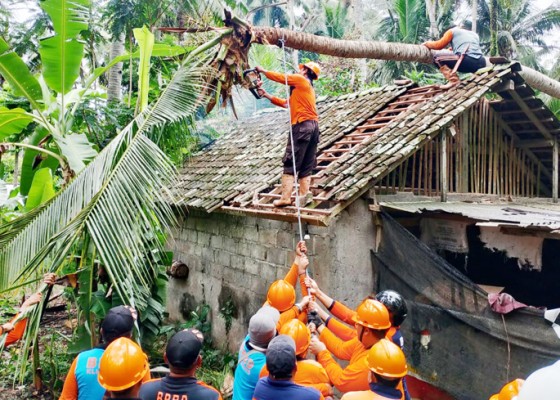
column 444, row 187
column 465, row 152
column 555, row 171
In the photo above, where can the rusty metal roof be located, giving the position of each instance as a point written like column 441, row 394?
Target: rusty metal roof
column 364, row 136
column 544, row 216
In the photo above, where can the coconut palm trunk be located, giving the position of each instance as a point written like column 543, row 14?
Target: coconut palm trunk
column 379, row 51
column 114, row 89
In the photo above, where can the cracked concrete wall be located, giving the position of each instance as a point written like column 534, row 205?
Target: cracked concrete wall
column 235, row 259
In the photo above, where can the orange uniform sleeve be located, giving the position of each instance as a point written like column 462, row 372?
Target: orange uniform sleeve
column 17, row 333
column 292, row 275
column 341, row 330
column 277, row 101
column 293, row 79
column 352, row 378
column 342, row 312
column 70, row 388
column 340, row 349
column 286, row 316
column 441, row 43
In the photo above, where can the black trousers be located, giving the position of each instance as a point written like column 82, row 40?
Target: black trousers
column 306, row 138
column 469, row 64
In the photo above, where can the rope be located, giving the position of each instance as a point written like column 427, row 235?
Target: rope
column 296, row 180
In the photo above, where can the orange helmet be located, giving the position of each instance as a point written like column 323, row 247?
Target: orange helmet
column 281, row 295
column 122, row 365
column 510, row 390
column 298, row 331
column 313, row 66
column 494, row 397
column 372, row 314
column 385, row 358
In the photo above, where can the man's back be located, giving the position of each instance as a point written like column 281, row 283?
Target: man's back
column 81, row 382
column 268, row 389
column 178, row 388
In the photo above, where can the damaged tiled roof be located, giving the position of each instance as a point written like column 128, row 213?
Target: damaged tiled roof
column 402, row 137
column 248, row 157
column 242, row 168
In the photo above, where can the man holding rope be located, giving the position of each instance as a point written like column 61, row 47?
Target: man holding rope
column 300, row 159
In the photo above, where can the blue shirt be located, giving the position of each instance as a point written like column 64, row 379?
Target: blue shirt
column 87, row 369
column 268, row 389
column 249, row 365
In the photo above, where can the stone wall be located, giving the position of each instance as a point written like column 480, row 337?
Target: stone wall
column 236, row 258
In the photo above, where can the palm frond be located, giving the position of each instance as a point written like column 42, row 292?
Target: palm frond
column 118, row 180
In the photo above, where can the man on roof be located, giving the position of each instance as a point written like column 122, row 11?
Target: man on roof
column 305, row 130
column 462, row 41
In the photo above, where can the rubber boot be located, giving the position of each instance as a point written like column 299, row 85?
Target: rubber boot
column 452, row 77
column 304, row 195
column 287, row 187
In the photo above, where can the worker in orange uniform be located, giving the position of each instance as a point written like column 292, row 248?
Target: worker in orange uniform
column 281, row 294
column 309, row 373
column 389, row 298
column 305, row 130
column 122, row 368
column 510, row 391
column 372, row 323
column 387, row 366
column 15, row 329
column 462, row 41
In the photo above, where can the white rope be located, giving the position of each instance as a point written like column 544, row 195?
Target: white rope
column 296, row 180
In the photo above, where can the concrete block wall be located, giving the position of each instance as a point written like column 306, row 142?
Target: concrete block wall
column 236, row 258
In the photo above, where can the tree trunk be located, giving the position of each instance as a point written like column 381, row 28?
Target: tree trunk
column 493, row 27
column 432, row 16
column 114, row 90
column 474, row 14
column 379, row 51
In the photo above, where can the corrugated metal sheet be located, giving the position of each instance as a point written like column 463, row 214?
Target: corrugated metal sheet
column 541, row 216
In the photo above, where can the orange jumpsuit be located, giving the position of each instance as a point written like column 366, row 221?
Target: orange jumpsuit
column 309, row 373
column 302, row 99
column 15, row 334
column 365, row 395
column 355, row 377
column 346, row 332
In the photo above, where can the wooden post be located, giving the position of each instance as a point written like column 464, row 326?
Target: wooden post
column 443, row 169
column 555, row 171
column 465, row 150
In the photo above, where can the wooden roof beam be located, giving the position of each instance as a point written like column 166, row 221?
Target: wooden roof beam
column 530, row 144
column 536, row 121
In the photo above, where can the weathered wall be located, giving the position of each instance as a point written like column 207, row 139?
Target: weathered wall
column 237, row 258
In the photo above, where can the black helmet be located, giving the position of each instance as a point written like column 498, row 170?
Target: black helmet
column 395, row 304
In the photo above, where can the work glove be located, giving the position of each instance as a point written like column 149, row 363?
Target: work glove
column 314, row 318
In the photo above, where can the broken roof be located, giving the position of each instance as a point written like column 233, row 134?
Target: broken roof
column 364, row 136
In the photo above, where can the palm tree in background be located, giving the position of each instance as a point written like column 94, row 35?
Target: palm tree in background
column 515, row 29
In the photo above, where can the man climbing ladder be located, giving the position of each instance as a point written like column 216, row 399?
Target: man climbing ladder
column 305, row 130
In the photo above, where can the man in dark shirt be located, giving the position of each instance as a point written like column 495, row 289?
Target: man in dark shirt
column 183, row 356
column 282, row 365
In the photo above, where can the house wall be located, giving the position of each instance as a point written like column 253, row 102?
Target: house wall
column 237, row 258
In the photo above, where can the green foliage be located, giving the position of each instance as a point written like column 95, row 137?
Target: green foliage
column 227, row 312
column 336, row 20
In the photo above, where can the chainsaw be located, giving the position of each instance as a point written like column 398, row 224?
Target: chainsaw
column 253, row 77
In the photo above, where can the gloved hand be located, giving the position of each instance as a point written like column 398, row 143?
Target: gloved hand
column 313, row 318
